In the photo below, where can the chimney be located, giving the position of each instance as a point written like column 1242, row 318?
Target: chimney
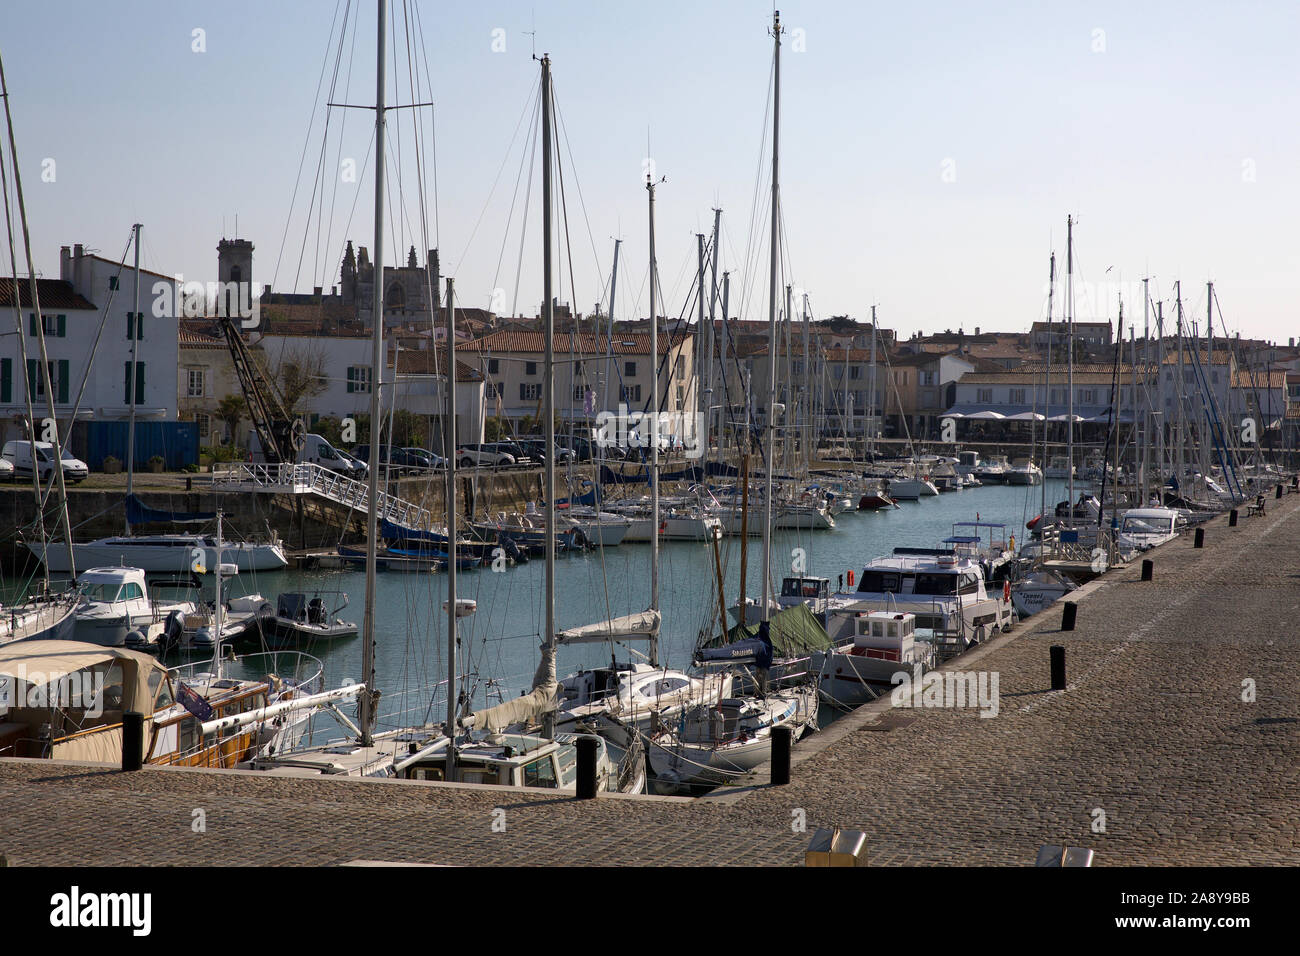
column 977, row 330
column 266, row 290
column 65, row 264
column 78, row 253
column 316, row 291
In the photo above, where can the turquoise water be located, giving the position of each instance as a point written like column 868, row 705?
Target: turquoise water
column 500, row 642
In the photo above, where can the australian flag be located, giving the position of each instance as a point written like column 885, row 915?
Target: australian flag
column 191, row 701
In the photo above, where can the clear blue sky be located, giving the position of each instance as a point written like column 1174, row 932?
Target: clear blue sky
column 1150, row 133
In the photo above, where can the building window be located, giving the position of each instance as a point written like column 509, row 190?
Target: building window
column 796, row 367
column 194, row 387
column 681, row 396
column 358, row 378
column 579, row 393
column 139, row 383
column 629, row 369
column 204, row 423
column 630, row 394
column 494, row 390
column 1017, row 396
column 530, row 368
column 927, row 378
column 984, row 395
column 529, row 391
column 855, row 371
column 56, row 325
column 112, row 283
column 494, row 366
column 6, row 380
column 134, row 326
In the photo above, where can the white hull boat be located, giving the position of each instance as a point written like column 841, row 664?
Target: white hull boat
column 163, row 554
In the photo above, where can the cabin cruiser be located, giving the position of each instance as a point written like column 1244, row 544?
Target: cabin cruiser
column 1058, row 467
column 601, row 529
column 116, row 609
column 884, row 644
column 946, row 593
column 1144, row 528
column 992, row 470
column 163, row 553
column 1022, row 471
column 908, row 488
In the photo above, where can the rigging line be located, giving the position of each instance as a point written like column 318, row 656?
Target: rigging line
column 577, row 183
column 528, row 195
column 338, row 157
column 525, row 156
column 527, row 110
column 751, row 246
column 433, row 129
column 293, row 199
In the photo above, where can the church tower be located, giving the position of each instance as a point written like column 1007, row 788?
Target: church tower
column 235, row 273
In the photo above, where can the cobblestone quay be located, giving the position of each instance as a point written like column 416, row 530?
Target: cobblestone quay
column 1176, row 742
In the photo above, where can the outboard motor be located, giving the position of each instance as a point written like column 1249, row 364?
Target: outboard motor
column 173, row 633
column 316, row 611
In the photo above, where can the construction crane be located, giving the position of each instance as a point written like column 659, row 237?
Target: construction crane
column 282, row 437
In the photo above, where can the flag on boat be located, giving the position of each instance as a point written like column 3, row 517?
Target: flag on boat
column 190, row 699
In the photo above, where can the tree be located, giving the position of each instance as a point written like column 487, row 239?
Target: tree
column 494, row 429
column 301, row 375
column 230, row 411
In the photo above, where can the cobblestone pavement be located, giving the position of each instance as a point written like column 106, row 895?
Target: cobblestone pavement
column 1152, row 732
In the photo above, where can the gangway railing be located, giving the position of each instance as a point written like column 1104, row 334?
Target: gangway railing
column 312, row 479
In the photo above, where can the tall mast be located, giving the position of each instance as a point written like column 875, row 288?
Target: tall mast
column 701, row 341
column 805, row 403
column 1182, row 428
column 654, row 429
column 368, row 697
column 771, row 312
column 134, row 327
column 449, row 437
column 1047, row 376
column 1069, row 353
column 609, row 340
column 871, row 416
column 548, row 387
column 1160, row 431
column 1146, row 378
column 34, row 291
column 713, row 333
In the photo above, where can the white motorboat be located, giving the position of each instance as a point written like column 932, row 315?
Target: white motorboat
column 117, row 611
column 1022, row 471
column 163, row 554
column 601, row 529
column 992, row 470
column 1144, row 528
column 884, row 644
column 911, row 489
column 1058, row 467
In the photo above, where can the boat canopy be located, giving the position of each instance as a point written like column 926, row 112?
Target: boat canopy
column 755, row 650
column 41, row 663
column 629, row 627
column 793, row 632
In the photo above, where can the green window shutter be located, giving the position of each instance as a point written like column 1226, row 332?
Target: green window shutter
column 63, row 327
column 31, row 322
column 139, row 383
column 63, row 376
column 6, row 380
column 130, row 326
column 32, row 377
column 126, row 385
column 351, row 379
column 139, row 325
column 112, row 283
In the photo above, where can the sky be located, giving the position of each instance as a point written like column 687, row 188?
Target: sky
column 930, row 153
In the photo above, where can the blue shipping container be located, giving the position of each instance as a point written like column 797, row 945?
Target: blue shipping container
column 176, row 442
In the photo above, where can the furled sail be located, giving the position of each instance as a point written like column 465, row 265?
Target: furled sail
column 525, row 710
column 641, row 626
column 137, row 512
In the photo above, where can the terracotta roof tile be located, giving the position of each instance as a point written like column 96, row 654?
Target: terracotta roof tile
column 54, row 294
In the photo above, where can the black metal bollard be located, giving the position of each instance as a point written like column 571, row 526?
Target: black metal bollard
column 132, row 740
column 782, row 739
column 587, row 747
column 1069, row 611
column 1279, row 491
column 1148, row 569
column 1057, row 652
column 1199, row 542
column 189, row 483
column 1232, row 518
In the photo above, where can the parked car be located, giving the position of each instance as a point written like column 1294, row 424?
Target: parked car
column 587, row 450
column 19, row 454
column 536, row 448
column 493, row 454
column 423, row 458
column 399, row 460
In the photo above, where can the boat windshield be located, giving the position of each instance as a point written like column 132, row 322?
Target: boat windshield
column 105, row 591
column 1148, row 525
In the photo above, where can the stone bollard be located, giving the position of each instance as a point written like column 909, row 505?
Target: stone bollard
column 782, row 739
column 1148, row 569
column 1069, row 611
column 587, row 748
column 1057, row 652
column 1232, row 518
column 132, row 740
column 1199, row 541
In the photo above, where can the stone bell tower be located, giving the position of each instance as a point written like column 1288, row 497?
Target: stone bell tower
column 235, row 273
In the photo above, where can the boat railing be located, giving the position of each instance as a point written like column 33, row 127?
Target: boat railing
column 304, row 670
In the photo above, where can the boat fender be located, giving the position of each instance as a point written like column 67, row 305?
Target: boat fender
column 1006, row 590
column 850, row 577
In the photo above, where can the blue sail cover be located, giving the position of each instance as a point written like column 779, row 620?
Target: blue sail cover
column 137, row 512
column 396, row 532
column 756, row 649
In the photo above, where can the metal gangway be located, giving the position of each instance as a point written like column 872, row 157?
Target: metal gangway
column 312, row 479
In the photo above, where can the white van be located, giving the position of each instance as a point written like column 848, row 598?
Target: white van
column 317, row 451
column 19, row 454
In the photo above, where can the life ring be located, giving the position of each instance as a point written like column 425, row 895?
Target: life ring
column 1006, row 590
